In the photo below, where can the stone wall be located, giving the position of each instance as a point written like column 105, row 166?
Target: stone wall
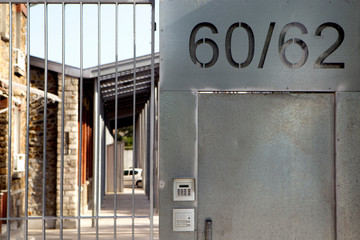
column 36, row 139
column 70, row 177
column 36, row 135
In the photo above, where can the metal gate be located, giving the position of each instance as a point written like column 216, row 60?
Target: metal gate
column 56, row 121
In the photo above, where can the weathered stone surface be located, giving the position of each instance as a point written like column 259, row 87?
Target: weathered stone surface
column 36, row 130
column 70, row 170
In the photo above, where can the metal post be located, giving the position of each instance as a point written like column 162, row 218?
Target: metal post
column 27, row 124
column 134, row 123
column 45, row 119
column 156, row 146
column 96, row 150
column 81, row 120
column 152, row 118
column 62, row 124
column 98, row 125
column 9, row 124
column 116, row 119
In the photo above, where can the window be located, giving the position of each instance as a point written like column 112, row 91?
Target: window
column 3, row 102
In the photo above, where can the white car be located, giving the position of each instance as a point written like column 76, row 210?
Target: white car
column 128, row 177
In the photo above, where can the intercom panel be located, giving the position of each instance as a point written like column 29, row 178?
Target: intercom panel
column 183, row 220
column 184, row 189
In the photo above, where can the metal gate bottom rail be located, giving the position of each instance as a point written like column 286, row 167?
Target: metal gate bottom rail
column 84, row 2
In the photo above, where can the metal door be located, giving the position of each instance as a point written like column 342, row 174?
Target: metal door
column 266, row 166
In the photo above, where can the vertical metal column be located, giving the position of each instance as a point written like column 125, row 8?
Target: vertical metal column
column 116, row 121
column 98, row 126
column 96, row 150
column 45, row 118
column 62, row 125
column 156, row 147
column 134, row 124
column 81, row 120
column 9, row 124
column 152, row 118
column 26, row 227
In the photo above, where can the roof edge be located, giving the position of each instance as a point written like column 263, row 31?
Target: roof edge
column 92, row 72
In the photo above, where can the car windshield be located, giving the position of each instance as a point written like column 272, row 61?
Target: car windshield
column 130, row 172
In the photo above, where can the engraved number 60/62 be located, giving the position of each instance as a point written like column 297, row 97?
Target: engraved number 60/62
column 282, row 45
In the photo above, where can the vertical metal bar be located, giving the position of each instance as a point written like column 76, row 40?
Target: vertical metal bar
column 81, row 118
column 9, row 123
column 98, row 123
column 95, row 152
column 62, row 124
column 156, row 147
column 27, row 123
column 45, row 118
column 116, row 119
column 134, row 125
column 152, row 118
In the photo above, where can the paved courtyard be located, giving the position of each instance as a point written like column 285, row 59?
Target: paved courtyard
column 106, row 226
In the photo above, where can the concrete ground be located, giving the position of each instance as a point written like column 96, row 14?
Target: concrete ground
column 106, row 226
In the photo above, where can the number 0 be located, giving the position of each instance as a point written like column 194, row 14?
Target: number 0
column 228, row 45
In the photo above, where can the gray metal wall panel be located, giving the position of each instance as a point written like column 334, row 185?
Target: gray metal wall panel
column 178, row 19
column 177, row 155
column 266, row 166
column 348, row 165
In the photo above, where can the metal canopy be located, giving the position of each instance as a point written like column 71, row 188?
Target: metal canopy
column 125, row 74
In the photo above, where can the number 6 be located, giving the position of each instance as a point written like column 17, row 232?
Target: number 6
column 193, row 45
column 301, row 43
